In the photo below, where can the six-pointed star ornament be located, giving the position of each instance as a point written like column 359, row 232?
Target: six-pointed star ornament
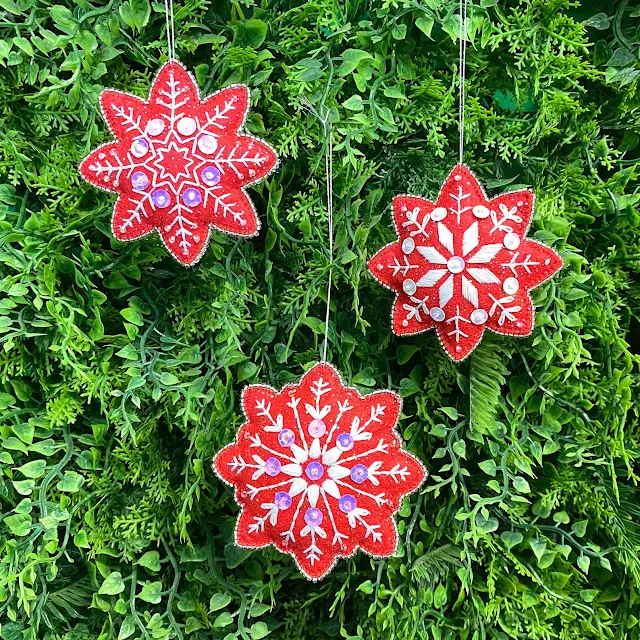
column 179, row 163
column 318, row 470
column 463, row 264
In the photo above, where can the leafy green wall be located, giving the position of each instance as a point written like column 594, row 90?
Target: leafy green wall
column 120, row 371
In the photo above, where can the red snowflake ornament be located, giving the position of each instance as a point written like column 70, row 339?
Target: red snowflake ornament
column 179, row 163
column 463, row 264
column 318, row 470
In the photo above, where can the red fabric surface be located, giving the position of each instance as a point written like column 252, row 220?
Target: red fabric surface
column 186, row 149
column 339, row 434
column 486, row 286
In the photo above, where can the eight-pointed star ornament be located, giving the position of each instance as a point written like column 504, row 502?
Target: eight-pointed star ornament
column 179, row 163
column 318, row 470
column 463, row 264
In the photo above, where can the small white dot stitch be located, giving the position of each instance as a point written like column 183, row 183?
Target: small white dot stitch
column 380, row 267
column 405, row 323
column 458, row 177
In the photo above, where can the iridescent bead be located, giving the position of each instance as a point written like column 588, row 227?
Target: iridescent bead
column 511, row 286
column 479, row 316
column 359, row 473
column 161, row 198
column 455, row 264
column 155, row 127
column 282, row 500
column 317, row 428
column 409, row 286
column 314, row 471
column 436, row 314
column 210, row 176
column 272, row 466
column 347, row 503
column 344, row 442
column 313, row 517
column 207, row 144
column 480, row 211
column 192, row 197
column 408, row 245
column 511, row 241
column 139, row 181
column 139, row 148
column 186, row 126
column 286, row 437
column 439, row 213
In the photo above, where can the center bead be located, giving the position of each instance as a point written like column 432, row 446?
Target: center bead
column 314, row 471
column 455, row 264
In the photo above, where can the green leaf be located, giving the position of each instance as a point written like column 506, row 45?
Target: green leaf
column 366, row 587
column 71, row 482
column 33, row 469
column 579, row 528
column 511, row 538
column 538, row 547
column 113, row 584
column 351, row 58
column 486, row 525
column 135, row 13
column 150, row 560
column 19, row 524
column 219, row 601
column 583, row 563
column 151, row 592
column 440, row 597
column 259, row 630
column 223, row 620
column 354, row 103
column 425, row 24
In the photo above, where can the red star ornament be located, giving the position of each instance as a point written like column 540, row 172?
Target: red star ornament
column 463, row 264
column 179, row 163
column 318, row 470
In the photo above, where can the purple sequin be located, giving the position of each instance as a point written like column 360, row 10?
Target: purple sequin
column 286, row 437
column 359, row 473
column 161, row 198
column 317, row 428
column 313, row 517
column 344, row 442
column 272, row 467
column 192, row 197
column 347, row 503
column 314, row 471
column 282, row 500
column 210, row 176
column 139, row 181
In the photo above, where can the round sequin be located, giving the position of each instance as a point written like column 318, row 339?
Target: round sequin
column 479, row 316
column 439, row 213
column 480, row 211
column 347, row 503
column 161, row 198
column 314, row 471
column 286, row 437
column 282, row 500
column 359, row 473
column 139, row 181
column 436, row 314
column 155, row 127
column 510, row 286
column 210, row 176
column 317, row 428
column 207, row 144
column 455, row 264
column 511, row 241
column 139, row 148
column 186, row 126
column 192, row 197
column 344, row 442
column 409, row 287
column 408, row 245
column 272, row 467
column 313, row 517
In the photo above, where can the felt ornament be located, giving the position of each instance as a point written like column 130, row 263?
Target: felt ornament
column 318, row 470
column 463, row 264
column 180, row 164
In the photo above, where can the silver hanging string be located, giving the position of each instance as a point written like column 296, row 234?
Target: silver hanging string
column 462, row 67
column 171, row 35
column 328, row 164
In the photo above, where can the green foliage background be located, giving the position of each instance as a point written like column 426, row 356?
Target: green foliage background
column 120, row 371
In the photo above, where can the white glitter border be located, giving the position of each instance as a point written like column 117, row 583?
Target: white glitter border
column 394, row 432
column 524, row 236
column 210, row 225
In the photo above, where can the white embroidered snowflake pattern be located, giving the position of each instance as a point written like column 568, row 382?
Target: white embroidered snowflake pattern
column 179, row 163
column 463, row 264
column 319, row 470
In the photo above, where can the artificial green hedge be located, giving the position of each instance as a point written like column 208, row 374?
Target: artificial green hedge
column 121, row 371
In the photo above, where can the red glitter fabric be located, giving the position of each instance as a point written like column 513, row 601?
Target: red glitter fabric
column 179, row 163
column 463, row 264
column 318, row 470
